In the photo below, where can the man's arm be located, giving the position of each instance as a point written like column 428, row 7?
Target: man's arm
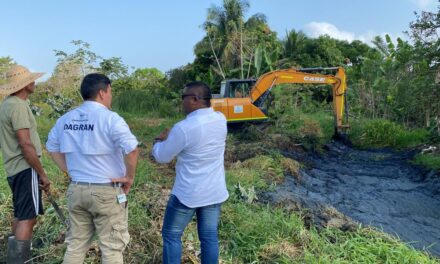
column 53, row 147
column 169, row 144
column 130, row 164
column 60, row 160
column 31, row 157
column 126, row 141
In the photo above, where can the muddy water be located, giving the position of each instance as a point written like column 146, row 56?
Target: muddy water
column 374, row 187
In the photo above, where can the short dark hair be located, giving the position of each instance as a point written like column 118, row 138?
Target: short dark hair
column 92, row 84
column 202, row 91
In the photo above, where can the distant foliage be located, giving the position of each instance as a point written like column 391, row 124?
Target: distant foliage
column 36, row 110
column 59, row 104
column 178, row 77
column 5, row 63
column 146, row 91
column 142, row 102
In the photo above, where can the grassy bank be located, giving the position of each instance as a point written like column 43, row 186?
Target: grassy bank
column 250, row 230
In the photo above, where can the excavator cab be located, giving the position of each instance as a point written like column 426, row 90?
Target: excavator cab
column 235, row 103
column 236, row 88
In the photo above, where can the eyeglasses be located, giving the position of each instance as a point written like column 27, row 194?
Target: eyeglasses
column 186, row 95
column 196, row 96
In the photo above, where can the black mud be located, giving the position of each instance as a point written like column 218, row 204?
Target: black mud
column 373, row 187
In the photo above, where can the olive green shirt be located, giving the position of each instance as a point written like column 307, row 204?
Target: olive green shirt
column 15, row 114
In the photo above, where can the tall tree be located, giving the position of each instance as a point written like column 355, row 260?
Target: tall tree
column 231, row 41
column 425, row 32
column 113, row 67
column 293, row 46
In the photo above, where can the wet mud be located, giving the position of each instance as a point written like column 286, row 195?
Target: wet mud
column 379, row 188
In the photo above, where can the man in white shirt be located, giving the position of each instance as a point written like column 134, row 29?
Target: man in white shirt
column 198, row 142
column 100, row 153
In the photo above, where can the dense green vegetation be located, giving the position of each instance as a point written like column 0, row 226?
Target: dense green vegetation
column 393, row 102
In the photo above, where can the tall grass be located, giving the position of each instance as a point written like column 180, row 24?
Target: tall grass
column 383, row 133
column 431, row 161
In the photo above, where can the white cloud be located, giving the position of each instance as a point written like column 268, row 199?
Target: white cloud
column 316, row 29
column 424, row 4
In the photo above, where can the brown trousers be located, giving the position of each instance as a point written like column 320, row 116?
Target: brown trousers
column 94, row 208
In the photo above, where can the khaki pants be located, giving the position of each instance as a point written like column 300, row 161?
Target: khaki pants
column 94, row 208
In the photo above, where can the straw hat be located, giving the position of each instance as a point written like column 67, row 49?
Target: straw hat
column 17, row 77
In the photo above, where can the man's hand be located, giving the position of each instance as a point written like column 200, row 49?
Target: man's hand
column 163, row 135
column 126, row 183
column 44, row 182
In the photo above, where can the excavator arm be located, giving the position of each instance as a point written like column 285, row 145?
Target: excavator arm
column 305, row 76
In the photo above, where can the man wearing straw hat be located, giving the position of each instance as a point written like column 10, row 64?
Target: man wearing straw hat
column 21, row 149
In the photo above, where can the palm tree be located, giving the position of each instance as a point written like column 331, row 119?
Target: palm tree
column 228, row 36
column 292, row 48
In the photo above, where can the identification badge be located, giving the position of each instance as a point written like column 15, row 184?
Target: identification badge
column 122, row 198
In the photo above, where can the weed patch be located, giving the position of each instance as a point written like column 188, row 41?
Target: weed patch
column 431, row 161
column 380, row 133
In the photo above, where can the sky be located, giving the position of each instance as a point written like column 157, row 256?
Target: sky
column 162, row 34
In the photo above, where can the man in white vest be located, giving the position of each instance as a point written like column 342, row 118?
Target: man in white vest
column 95, row 146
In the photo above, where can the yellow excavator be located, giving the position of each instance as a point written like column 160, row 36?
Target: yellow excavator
column 242, row 100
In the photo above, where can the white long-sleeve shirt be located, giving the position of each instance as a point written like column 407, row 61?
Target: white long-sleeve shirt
column 198, row 141
column 94, row 140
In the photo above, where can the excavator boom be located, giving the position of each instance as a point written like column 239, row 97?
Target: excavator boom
column 270, row 79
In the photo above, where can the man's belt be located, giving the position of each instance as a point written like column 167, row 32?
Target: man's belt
column 111, row 184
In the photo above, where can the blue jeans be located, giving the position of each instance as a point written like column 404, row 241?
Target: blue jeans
column 177, row 217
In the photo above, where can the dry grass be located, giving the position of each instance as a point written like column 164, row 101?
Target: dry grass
column 291, row 167
column 280, row 249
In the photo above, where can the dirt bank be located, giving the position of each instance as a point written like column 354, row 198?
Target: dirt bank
column 374, row 187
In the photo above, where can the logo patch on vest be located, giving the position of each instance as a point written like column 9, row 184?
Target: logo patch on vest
column 81, row 127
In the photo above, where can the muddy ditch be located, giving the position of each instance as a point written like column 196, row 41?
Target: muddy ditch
column 379, row 188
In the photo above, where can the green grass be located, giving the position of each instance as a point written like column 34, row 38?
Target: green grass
column 250, row 232
column 379, row 133
column 431, row 161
